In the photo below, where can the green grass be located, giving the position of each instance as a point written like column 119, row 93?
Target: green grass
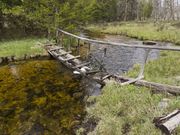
column 163, row 70
column 128, row 110
column 169, row 32
column 20, row 47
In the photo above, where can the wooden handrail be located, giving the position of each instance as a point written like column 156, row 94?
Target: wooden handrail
column 157, row 47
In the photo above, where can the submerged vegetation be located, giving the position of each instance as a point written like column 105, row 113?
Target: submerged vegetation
column 36, row 97
column 168, row 32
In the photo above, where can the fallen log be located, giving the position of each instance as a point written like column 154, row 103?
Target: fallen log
column 175, row 90
column 168, row 123
column 149, row 43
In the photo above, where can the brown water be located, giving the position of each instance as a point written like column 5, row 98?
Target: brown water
column 39, row 97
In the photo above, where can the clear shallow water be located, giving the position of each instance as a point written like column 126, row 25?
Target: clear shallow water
column 39, row 97
column 121, row 59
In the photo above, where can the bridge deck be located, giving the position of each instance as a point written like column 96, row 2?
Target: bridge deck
column 69, row 60
column 81, row 68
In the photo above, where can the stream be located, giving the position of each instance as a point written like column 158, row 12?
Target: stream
column 119, row 60
column 44, row 97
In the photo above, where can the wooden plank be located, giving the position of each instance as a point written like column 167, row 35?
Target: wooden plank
column 105, row 77
column 56, row 49
column 155, row 86
column 82, row 65
column 62, row 54
column 75, row 57
column 132, row 81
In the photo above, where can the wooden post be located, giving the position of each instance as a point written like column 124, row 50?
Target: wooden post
column 141, row 73
column 78, row 46
column 57, row 37
column 69, row 44
column 168, row 123
column 62, row 40
column 105, row 52
column 89, row 49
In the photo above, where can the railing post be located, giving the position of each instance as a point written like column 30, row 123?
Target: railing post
column 89, row 48
column 105, row 52
column 78, row 46
column 69, row 45
column 57, row 37
column 141, row 73
column 62, row 40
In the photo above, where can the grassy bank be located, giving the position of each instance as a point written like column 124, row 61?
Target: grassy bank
column 130, row 110
column 168, row 32
column 164, row 70
column 20, row 47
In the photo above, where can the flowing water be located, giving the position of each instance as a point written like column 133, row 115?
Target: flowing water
column 39, row 97
column 120, row 59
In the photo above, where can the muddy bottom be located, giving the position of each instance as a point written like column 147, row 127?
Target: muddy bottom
column 39, row 97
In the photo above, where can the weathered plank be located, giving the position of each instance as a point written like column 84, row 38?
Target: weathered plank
column 72, row 58
column 81, row 65
column 62, row 54
column 57, row 48
column 155, row 86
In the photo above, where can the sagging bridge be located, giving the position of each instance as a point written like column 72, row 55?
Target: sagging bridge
column 63, row 53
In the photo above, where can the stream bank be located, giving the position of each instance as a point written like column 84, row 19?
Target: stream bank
column 130, row 109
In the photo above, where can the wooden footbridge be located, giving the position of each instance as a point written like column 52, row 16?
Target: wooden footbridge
column 63, row 53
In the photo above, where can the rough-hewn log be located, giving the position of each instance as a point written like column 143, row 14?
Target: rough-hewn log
column 155, row 86
column 168, row 123
column 172, row 48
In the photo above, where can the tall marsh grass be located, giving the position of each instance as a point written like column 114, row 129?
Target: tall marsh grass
column 167, row 32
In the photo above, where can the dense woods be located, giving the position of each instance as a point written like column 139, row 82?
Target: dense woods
column 31, row 17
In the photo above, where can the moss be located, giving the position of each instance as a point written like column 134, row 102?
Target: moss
column 37, row 95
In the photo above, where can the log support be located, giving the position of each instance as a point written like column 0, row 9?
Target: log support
column 168, row 123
